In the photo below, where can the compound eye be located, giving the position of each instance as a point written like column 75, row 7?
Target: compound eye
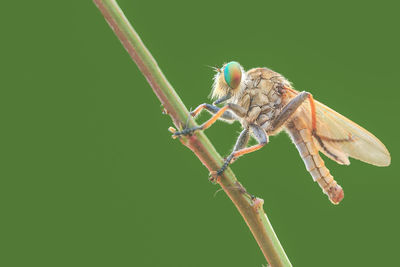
column 233, row 74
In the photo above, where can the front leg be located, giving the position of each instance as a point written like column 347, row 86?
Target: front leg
column 204, row 126
column 222, row 99
column 211, row 108
column 228, row 115
column 238, row 110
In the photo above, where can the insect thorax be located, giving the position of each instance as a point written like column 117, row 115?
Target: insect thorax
column 262, row 97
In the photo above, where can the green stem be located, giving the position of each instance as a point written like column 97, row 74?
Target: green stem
column 250, row 209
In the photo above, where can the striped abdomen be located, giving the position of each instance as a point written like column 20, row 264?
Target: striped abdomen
column 301, row 136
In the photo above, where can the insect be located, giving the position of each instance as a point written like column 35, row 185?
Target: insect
column 265, row 103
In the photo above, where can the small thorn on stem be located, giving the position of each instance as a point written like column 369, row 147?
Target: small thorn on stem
column 164, row 110
column 213, row 177
column 258, row 203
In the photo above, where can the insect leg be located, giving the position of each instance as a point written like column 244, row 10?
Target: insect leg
column 261, row 137
column 239, row 149
column 289, row 109
column 238, row 110
column 222, row 99
column 242, row 140
column 300, row 97
column 213, row 110
column 204, row 126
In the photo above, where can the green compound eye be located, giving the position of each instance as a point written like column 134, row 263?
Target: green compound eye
column 233, row 74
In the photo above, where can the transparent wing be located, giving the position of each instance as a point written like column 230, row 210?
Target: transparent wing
column 341, row 138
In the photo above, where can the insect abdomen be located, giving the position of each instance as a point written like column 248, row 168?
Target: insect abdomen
column 302, row 138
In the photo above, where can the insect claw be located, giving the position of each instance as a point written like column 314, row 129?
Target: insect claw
column 186, row 132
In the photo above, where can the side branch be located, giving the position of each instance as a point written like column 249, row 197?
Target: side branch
column 250, row 209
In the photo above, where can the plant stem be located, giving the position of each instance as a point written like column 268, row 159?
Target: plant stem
column 251, row 209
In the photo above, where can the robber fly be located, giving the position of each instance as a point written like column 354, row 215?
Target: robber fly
column 265, row 103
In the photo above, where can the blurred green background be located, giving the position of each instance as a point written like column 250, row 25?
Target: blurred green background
column 91, row 177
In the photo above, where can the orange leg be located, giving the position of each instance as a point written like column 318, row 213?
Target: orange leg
column 204, row 126
column 238, row 151
column 228, row 115
column 247, row 150
column 195, row 112
column 213, row 118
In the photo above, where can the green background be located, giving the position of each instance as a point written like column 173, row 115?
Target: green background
column 91, row 177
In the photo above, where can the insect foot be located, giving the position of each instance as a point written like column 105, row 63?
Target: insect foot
column 185, row 132
column 215, row 175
